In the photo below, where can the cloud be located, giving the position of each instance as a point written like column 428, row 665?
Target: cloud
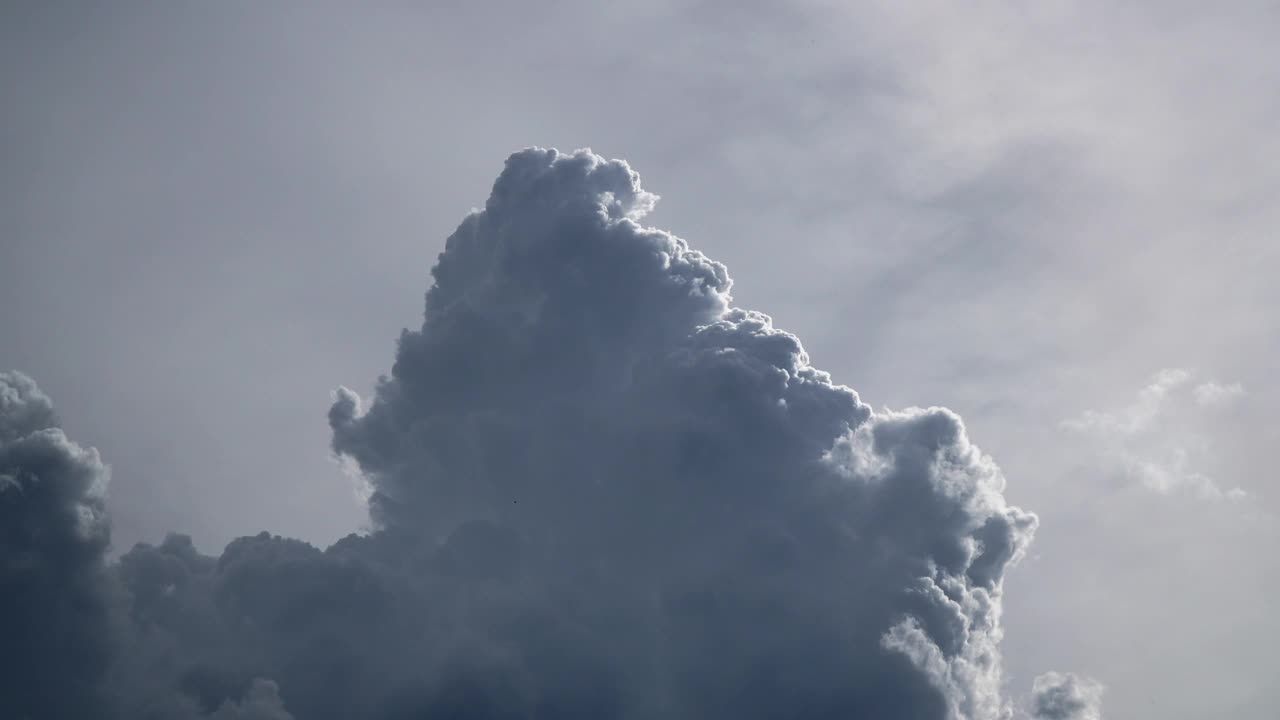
column 53, row 536
column 1137, row 417
column 598, row 489
column 583, row 384
column 1064, row 696
column 1211, row 393
column 1163, row 437
column 261, row 702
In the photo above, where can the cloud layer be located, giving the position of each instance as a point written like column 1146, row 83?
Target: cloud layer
column 598, row 489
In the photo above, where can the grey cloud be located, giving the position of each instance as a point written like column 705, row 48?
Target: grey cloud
column 582, row 384
column 599, row 490
column 261, row 702
column 1065, row 696
column 53, row 536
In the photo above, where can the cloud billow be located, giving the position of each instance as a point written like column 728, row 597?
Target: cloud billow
column 599, row 490
column 1065, row 696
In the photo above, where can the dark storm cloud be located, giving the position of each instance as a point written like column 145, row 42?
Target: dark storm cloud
column 599, row 491
column 1064, row 696
column 53, row 533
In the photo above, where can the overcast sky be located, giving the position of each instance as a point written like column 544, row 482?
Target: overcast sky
column 1056, row 219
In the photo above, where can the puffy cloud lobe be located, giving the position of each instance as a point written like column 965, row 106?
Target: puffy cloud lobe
column 1065, row 696
column 599, row 490
column 53, row 534
column 545, row 304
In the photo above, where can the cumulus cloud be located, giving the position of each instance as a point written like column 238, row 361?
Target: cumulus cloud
column 53, row 536
column 598, row 489
column 1065, row 696
column 1163, row 438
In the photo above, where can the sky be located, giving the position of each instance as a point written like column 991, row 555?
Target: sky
column 1056, row 221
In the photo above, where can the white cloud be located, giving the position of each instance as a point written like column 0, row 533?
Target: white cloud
column 1211, row 393
column 1137, row 417
column 1065, row 696
column 1161, row 440
column 1172, row 473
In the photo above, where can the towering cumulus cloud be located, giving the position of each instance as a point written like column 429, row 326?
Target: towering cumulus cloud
column 599, row 490
column 601, row 443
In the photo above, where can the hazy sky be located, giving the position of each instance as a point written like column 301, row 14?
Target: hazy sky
column 1058, row 221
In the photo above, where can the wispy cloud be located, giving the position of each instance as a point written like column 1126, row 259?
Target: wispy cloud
column 1211, row 393
column 1162, row 440
column 1138, row 416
